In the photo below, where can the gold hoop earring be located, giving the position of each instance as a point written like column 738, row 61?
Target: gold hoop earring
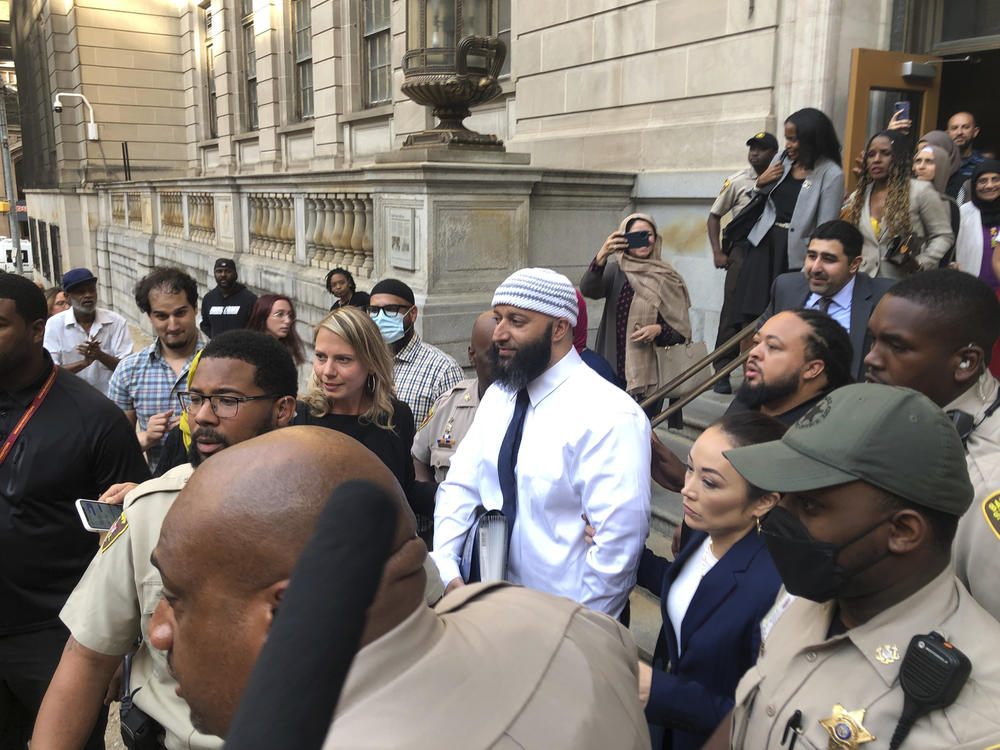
column 757, row 519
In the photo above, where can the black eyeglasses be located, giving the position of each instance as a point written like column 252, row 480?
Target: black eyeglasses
column 391, row 311
column 224, row 407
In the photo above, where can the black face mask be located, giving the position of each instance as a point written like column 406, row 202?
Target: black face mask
column 808, row 568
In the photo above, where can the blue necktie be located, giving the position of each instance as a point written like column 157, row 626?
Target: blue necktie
column 507, row 460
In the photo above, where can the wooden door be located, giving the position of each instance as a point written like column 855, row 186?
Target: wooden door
column 880, row 71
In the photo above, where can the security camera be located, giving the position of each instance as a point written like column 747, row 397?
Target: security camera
column 92, row 134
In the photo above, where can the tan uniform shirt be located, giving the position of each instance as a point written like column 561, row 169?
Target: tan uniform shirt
column 494, row 666
column 116, row 597
column 736, row 192
column 801, row 669
column 977, row 542
column 446, row 424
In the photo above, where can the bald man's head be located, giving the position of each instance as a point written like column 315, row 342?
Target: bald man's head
column 229, row 543
column 260, row 503
column 479, row 348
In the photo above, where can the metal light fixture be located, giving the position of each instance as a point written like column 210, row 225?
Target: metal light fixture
column 452, row 62
column 57, row 106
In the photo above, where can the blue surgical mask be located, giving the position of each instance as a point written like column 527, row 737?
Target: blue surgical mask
column 390, row 328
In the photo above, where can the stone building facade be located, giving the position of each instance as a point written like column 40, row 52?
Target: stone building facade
column 258, row 129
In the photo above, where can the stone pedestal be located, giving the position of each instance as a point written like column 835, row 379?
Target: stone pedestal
column 454, row 230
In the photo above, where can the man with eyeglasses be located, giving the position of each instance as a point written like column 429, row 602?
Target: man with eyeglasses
column 244, row 385
column 421, row 372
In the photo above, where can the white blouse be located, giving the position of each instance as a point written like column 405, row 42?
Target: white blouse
column 686, row 584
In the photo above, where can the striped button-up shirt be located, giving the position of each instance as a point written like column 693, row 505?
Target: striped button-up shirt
column 423, row 373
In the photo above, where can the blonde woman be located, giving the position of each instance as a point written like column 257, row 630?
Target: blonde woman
column 351, row 391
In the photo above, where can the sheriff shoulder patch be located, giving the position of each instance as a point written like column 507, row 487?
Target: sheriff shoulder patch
column 114, row 532
column 991, row 510
column 426, row 419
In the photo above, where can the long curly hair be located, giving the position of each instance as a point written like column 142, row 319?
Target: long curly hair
column 360, row 332
column 896, row 218
column 258, row 322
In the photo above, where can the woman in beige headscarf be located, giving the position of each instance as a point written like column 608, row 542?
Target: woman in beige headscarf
column 645, row 305
column 950, row 164
column 931, row 163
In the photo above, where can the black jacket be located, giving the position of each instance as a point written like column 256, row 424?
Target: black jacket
column 76, row 445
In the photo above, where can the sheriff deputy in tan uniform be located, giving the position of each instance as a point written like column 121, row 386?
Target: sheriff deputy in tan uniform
column 874, row 481
column 116, row 597
column 111, row 606
column 490, row 666
column 734, row 197
column 932, row 332
column 452, row 414
column 977, row 543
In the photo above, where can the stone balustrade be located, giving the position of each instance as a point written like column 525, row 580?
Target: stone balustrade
column 338, row 232
column 201, row 217
column 321, row 230
column 271, row 220
column 134, row 204
column 172, row 214
column 118, row 209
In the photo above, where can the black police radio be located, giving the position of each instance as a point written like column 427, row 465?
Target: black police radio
column 932, row 674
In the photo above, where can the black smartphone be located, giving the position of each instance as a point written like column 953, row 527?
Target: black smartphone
column 97, row 516
column 639, row 238
column 902, row 109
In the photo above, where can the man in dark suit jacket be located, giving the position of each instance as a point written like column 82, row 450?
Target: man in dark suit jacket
column 830, row 281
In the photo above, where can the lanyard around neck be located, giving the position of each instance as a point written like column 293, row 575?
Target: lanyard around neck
column 26, row 417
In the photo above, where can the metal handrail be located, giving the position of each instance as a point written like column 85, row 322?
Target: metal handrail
column 664, row 415
column 696, row 368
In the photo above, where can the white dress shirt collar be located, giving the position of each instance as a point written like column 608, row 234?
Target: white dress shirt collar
column 842, row 298
column 553, row 377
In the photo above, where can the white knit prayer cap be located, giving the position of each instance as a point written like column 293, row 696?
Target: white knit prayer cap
column 541, row 290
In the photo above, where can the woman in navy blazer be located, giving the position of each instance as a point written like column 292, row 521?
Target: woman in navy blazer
column 720, row 587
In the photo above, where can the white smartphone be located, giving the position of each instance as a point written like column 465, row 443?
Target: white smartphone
column 98, row 517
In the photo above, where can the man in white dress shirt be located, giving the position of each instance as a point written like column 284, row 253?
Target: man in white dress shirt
column 830, row 281
column 584, row 449
column 86, row 339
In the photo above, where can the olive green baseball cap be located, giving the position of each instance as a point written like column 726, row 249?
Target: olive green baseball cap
column 891, row 437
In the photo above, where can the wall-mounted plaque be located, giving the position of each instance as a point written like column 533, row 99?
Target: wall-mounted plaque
column 401, row 251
